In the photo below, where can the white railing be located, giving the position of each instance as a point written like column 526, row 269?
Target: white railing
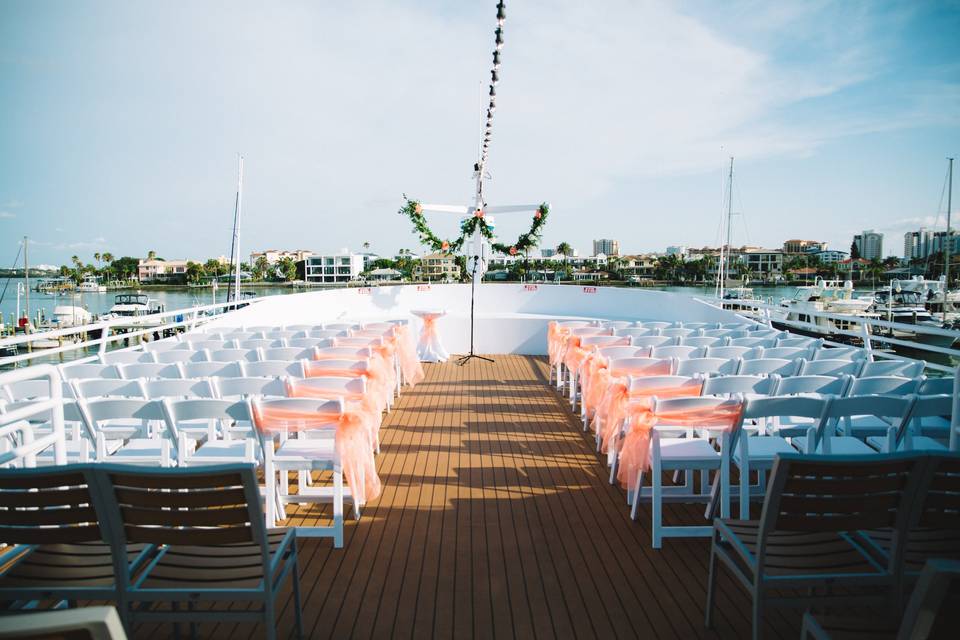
column 17, row 420
column 866, row 330
column 131, row 326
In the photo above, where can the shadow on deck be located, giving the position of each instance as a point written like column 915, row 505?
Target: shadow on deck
column 497, row 520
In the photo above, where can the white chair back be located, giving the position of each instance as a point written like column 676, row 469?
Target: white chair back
column 107, row 388
column 768, row 366
column 181, row 355
column 234, row 355
column 235, row 388
column 706, row 367
column 210, row 369
column 86, row 370
column 271, row 368
column 149, row 370
column 195, row 388
column 125, row 357
column 677, row 351
column 829, row 367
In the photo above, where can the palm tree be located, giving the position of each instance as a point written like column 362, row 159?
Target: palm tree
column 151, row 255
column 96, row 258
column 366, row 246
column 875, row 268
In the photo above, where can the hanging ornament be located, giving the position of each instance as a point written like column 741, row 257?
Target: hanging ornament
column 513, row 251
column 478, row 213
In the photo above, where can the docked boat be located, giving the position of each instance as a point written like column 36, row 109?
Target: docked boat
column 138, row 310
column 803, row 313
column 91, row 284
column 908, row 306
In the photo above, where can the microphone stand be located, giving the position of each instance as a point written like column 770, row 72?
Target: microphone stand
column 473, row 291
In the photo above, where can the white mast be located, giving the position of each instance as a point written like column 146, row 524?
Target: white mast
column 948, row 239
column 26, row 282
column 724, row 267
column 235, row 253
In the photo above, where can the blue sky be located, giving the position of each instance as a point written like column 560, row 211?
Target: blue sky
column 120, row 121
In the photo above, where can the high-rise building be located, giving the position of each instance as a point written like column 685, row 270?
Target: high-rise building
column 869, row 244
column 607, row 247
column 676, row 250
column 917, row 244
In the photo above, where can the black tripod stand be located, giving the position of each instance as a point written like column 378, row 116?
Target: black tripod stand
column 473, row 293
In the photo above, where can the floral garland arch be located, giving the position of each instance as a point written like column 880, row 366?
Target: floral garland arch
column 413, row 209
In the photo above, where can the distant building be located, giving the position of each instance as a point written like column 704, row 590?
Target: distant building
column 638, row 267
column 676, row 250
column 332, row 269
column 607, row 247
column 438, row 266
column 275, row 255
column 547, row 253
column 869, row 244
column 804, row 246
column 161, row 270
column 830, row 256
column 939, row 240
column 384, row 275
column 766, row 264
column 917, row 244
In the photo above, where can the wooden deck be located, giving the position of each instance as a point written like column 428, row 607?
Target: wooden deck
column 497, row 520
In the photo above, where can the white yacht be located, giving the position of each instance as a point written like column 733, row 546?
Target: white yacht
column 908, row 306
column 138, row 307
column 802, row 312
column 91, row 284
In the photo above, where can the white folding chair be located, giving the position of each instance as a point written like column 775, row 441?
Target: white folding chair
column 125, row 357
column 210, row 369
column 304, row 452
column 326, row 334
column 149, row 370
column 87, row 370
column 787, row 353
column 286, row 353
column 249, row 387
column 655, row 325
column 768, row 366
column 840, row 353
column 108, row 388
column 706, row 367
column 863, row 426
column 732, row 353
column 112, row 423
column 695, row 453
column 653, row 341
column 271, row 368
column 181, row 355
column 677, row 351
column 830, row 367
column 309, row 343
column 678, row 332
column 165, row 345
column 747, row 386
column 33, row 390
column 182, row 417
column 799, row 342
column 905, row 368
column 178, row 388
column 258, row 343
column 209, row 344
column 906, row 436
column 756, row 453
column 234, row 355
column 631, row 331
column 823, row 438
column 704, row 342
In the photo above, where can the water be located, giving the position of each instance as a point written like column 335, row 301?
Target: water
column 97, row 303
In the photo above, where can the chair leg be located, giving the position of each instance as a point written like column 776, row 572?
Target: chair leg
column 757, row 613
column 656, row 506
column 711, row 581
column 269, row 620
column 295, row 576
column 745, row 491
column 338, row 508
column 635, row 505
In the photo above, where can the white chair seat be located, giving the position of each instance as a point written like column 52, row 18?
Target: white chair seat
column 863, row 427
column 919, row 443
column 140, row 449
column 839, row 445
column 221, row 449
column 763, row 449
column 313, row 453
column 676, row 451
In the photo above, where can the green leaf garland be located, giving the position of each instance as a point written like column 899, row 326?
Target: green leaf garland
column 413, row 209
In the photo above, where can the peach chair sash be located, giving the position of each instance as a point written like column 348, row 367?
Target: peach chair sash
column 635, row 454
column 407, row 353
column 588, row 372
column 556, row 335
column 363, row 403
column 613, row 406
column 380, row 377
column 352, row 442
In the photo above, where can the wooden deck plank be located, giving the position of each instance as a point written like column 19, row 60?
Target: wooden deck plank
column 497, row 520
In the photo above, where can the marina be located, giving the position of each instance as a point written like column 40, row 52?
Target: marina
column 217, row 419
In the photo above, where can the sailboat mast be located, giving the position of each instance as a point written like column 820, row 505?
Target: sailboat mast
column 948, row 239
column 725, row 257
column 26, row 281
column 235, row 258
